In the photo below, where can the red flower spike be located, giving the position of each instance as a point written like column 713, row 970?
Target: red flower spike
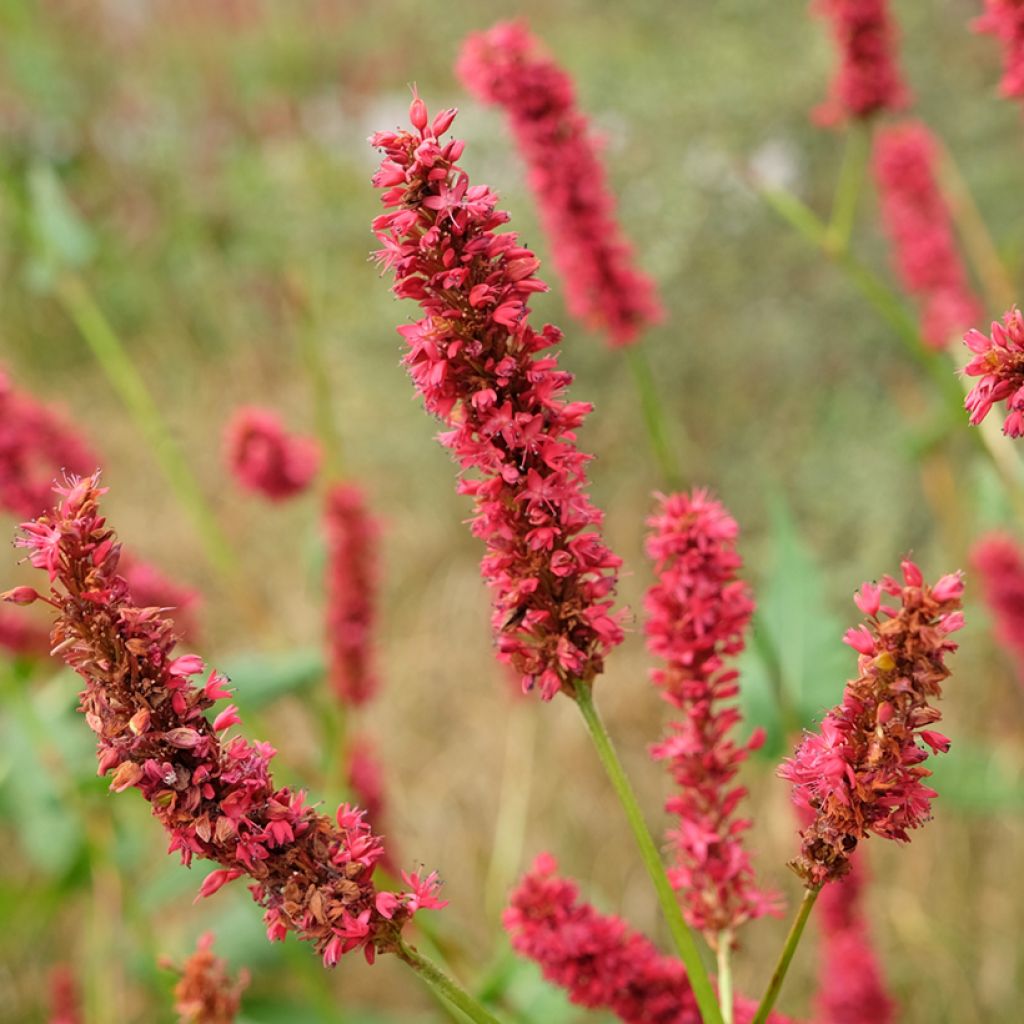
column 1004, row 19
column 215, row 797
column 999, row 562
column 480, row 368
column 508, row 67
column 698, row 612
column 868, row 78
column 265, row 459
column 918, row 223
column 999, row 362
column 352, row 582
column 851, row 985
column 599, row 961
column 65, row 1003
column 862, row 774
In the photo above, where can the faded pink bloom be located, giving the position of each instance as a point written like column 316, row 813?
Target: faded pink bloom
column 999, row 362
column 214, row 796
column 868, row 78
column 477, row 363
column 508, row 67
column 35, row 445
column 264, row 458
column 1004, row 19
column 999, row 562
column 698, row 612
column 918, row 223
column 150, row 588
column 65, row 1003
column 597, row 958
column 365, row 777
column 862, row 774
column 352, row 582
column 205, row 992
column 851, row 984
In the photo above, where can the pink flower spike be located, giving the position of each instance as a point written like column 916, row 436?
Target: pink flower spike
column 868, row 78
column 552, row 604
column 265, row 459
column 862, row 774
column 918, row 222
column 698, row 613
column 1004, row 19
column 508, row 67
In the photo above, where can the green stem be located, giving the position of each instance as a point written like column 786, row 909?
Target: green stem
column 444, row 985
column 724, row 956
column 681, row 934
column 851, row 180
column 792, row 941
column 654, row 415
column 106, row 346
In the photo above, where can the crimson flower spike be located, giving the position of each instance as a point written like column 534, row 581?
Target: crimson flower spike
column 213, row 794
column 868, row 78
column 862, row 774
column 918, row 223
column 999, row 362
column 479, row 367
column 597, row 958
column 508, row 67
column 1004, row 19
column 698, row 612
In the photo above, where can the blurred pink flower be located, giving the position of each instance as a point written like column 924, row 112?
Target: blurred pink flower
column 918, row 223
column 999, row 362
column 1004, row 19
column 205, row 992
column 999, row 562
column 214, row 796
column 599, row 961
column 264, row 458
column 698, row 612
column 21, row 637
column 508, row 67
column 477, row 363
column 352, row 581
column 65, row 1004
column 851, row 984
column 862, row 774
column 868, row 78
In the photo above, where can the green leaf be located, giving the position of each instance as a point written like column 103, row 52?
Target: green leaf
column 977, row 780
column 262, row 678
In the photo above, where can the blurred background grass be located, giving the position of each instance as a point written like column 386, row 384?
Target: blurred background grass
column 217, row 152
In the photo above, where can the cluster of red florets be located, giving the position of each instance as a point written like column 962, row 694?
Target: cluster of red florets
column 507, row 66
column 1004, row 19
column 214, row 795
column 999, row 562
column 862, row 774
column 265, row 458
column 698, row 612
column 999, row 362
column 918, row 223
column 597, row 958
column 851, row 987
column 868, row 78
column 477, row 363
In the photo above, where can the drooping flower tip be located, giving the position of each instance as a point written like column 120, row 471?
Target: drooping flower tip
column 1004, row 19
column 480, row 368
column 862, row 773
column 351, row 584
column 508, row 67
column 920, row 228
column 698, row 612
column 264, row 458
column 999, row 363
column 868, row 78
column 214, row 796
